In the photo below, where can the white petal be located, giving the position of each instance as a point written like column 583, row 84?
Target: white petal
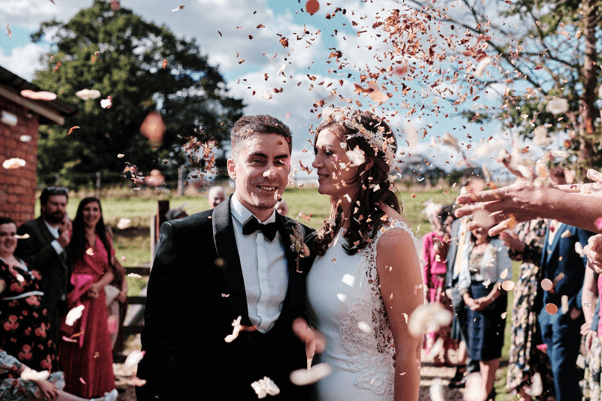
column 303, row 377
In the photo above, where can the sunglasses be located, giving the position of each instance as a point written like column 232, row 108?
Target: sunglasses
column 56, row 191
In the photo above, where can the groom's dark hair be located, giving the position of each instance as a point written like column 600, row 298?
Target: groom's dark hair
column 262, row 124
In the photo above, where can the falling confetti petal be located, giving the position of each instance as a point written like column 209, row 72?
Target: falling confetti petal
column 8, row 32
column 180, row 7
column 73, row 315
column 312, row 6
column 41, row 95
column 564, row 302
column 237, row 329
column 265, row 387
column 547, row 284
column 153, row 128
column 436, row 389
column 551, row 309
column 106, row 103
column 430, row 316
column 303, row 377
column 30, row 374
column 356, row 156
column 557, row 106
column 87, row 94
column 13, row 163
column 124, row 223
column 133, row 359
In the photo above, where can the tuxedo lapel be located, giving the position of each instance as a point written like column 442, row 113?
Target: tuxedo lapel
column 557, row 235
column 225, row 245
column 296, row 280
column 43, row 230
column 48, row 238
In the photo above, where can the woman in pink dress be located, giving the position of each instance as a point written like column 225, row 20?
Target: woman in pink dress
column 85, row 351
column 434, row 254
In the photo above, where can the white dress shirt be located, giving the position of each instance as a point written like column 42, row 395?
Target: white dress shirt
column 264, row 269
column 55, row 233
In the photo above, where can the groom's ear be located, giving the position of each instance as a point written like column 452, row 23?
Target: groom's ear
column 369, row 164
column 231, row 169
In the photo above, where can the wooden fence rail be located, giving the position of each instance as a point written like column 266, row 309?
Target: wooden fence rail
column 136, row 324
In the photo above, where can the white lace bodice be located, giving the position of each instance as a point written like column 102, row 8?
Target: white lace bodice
column 345, row 304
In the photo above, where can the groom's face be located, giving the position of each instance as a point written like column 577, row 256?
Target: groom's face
column 260, row 168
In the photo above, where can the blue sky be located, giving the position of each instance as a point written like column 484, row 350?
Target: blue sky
column 302, row 60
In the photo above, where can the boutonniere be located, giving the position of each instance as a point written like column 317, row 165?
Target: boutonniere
column 298, row 246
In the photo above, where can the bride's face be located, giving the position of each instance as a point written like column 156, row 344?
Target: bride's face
column 335, row 175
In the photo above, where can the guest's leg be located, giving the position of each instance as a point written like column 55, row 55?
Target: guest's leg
column 488, row 369
column 565, row 350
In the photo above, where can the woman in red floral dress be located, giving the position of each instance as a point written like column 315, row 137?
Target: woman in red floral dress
column 23, row 320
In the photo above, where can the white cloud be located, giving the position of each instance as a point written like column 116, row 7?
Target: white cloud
column 23, row 61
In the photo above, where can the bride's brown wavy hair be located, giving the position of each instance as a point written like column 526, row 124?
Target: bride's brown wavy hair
column 375, row 189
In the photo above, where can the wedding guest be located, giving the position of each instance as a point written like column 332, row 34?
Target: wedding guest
column 459, row 234
column 45, row 248
column 435, row 246
column 23, row 315
column 526, row 360
column 216, row 196
column 87, row 359
column 485, row 265
column 590, row 347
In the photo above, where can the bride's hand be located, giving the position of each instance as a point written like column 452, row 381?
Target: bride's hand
column 313, row 339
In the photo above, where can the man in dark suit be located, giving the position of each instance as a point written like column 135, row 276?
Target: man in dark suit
column 239, row 263
column 47, row 251
column 560, row 330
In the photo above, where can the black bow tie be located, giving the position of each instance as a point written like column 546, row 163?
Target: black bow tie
column 252, row 225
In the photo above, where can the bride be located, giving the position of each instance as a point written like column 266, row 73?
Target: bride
column 366, row 280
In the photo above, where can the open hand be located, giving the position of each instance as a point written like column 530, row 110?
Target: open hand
column 48, row 390
column 593, row 252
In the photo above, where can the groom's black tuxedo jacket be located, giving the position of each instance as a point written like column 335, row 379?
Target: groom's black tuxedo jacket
column 196, row 290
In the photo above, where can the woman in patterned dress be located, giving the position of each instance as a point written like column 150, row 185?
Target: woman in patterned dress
column 366, row 280
column 23, row 320
column 527, row 362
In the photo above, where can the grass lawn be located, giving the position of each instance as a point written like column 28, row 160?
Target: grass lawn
column 133, row 244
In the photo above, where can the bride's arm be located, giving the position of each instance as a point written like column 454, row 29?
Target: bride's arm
column 401, row 285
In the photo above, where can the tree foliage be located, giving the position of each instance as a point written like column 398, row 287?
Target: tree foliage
column 541, row 51
column 143, row 67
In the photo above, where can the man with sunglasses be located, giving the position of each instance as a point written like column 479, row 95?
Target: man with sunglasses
column 46, row 249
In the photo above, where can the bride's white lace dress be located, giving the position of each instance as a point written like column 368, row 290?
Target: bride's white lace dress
column 345, row 305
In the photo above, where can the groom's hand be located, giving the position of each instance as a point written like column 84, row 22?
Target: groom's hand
column 313, row 339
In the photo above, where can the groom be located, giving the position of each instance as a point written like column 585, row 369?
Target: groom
column 231, row 262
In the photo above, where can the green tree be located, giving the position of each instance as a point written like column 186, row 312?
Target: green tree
column 144, row 68
column 542, row 51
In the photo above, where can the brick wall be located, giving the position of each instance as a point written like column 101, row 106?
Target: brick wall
column 18, row 186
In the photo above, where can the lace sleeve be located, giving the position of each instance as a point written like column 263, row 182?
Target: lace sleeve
column 366, row 333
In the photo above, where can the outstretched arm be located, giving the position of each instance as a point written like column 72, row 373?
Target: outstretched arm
column 400, row 282
column 523, row 201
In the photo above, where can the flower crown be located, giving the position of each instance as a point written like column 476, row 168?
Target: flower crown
column 377, row 140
